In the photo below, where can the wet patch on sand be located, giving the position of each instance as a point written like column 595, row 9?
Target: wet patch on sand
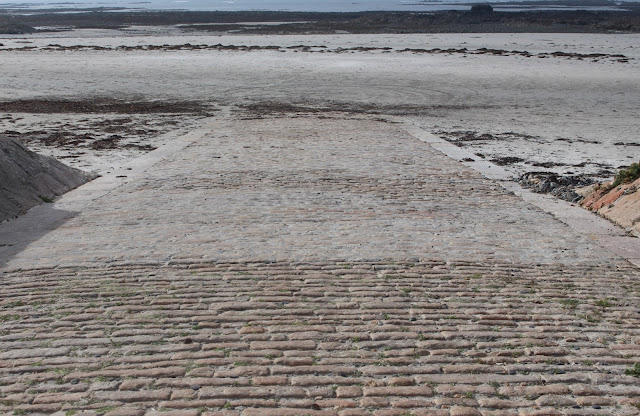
column 266, row 109
column 630, row 144
column 593, row 57
column 557, row 175
column 461, row 138
column 70, row 140
column 101, row 106
column 502, row 52
column 93, row 135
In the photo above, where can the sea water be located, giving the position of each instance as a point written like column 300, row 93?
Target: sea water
column 273, row 5
column 243, row 5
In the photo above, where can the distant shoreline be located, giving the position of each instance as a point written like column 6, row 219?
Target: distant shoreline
column 319, row 6
column 272, row 22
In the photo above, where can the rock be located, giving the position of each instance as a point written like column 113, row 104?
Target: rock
column 481, row 8
column 563, row 187
column 28, row 179
column 14, row 28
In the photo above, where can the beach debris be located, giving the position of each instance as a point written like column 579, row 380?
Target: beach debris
column 560, row 186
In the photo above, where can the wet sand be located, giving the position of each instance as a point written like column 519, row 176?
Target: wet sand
column 563, row 103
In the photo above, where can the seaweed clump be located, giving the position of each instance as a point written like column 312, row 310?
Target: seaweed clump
column 626, row 175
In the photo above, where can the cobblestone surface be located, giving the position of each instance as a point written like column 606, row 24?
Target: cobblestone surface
column 309, row 189
column 316, row 266
column 435, row 338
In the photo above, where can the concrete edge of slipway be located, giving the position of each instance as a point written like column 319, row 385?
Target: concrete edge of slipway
column 39, row 220
column 602, row 231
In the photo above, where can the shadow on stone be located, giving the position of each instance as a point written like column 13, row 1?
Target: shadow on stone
column 28, row 183
column 17, row 234
column 28, row 179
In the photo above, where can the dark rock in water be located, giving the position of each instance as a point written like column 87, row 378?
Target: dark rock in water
column 28, row 179
column 481, row 8
column 14, row 28
column 562, row 187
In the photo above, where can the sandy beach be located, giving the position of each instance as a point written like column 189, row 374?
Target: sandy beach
column 534, row 109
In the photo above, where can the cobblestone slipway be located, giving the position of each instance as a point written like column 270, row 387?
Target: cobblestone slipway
column 312, row 265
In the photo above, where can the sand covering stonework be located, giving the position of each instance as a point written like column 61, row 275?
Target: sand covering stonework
column 27, row 178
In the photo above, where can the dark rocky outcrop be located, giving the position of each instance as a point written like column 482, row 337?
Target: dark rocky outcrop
column 28, row 179
column 562, row 187
column 481, row 8
column 10, row 27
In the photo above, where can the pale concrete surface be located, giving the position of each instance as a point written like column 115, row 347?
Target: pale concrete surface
column 303, row 189
column 17, row 234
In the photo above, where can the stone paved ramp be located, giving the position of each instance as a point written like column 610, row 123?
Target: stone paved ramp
column 315, row 266
column 308, row 189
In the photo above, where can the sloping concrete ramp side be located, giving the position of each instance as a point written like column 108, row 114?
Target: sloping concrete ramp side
column 620, row 204
column 27, row 177
column 328, row 266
